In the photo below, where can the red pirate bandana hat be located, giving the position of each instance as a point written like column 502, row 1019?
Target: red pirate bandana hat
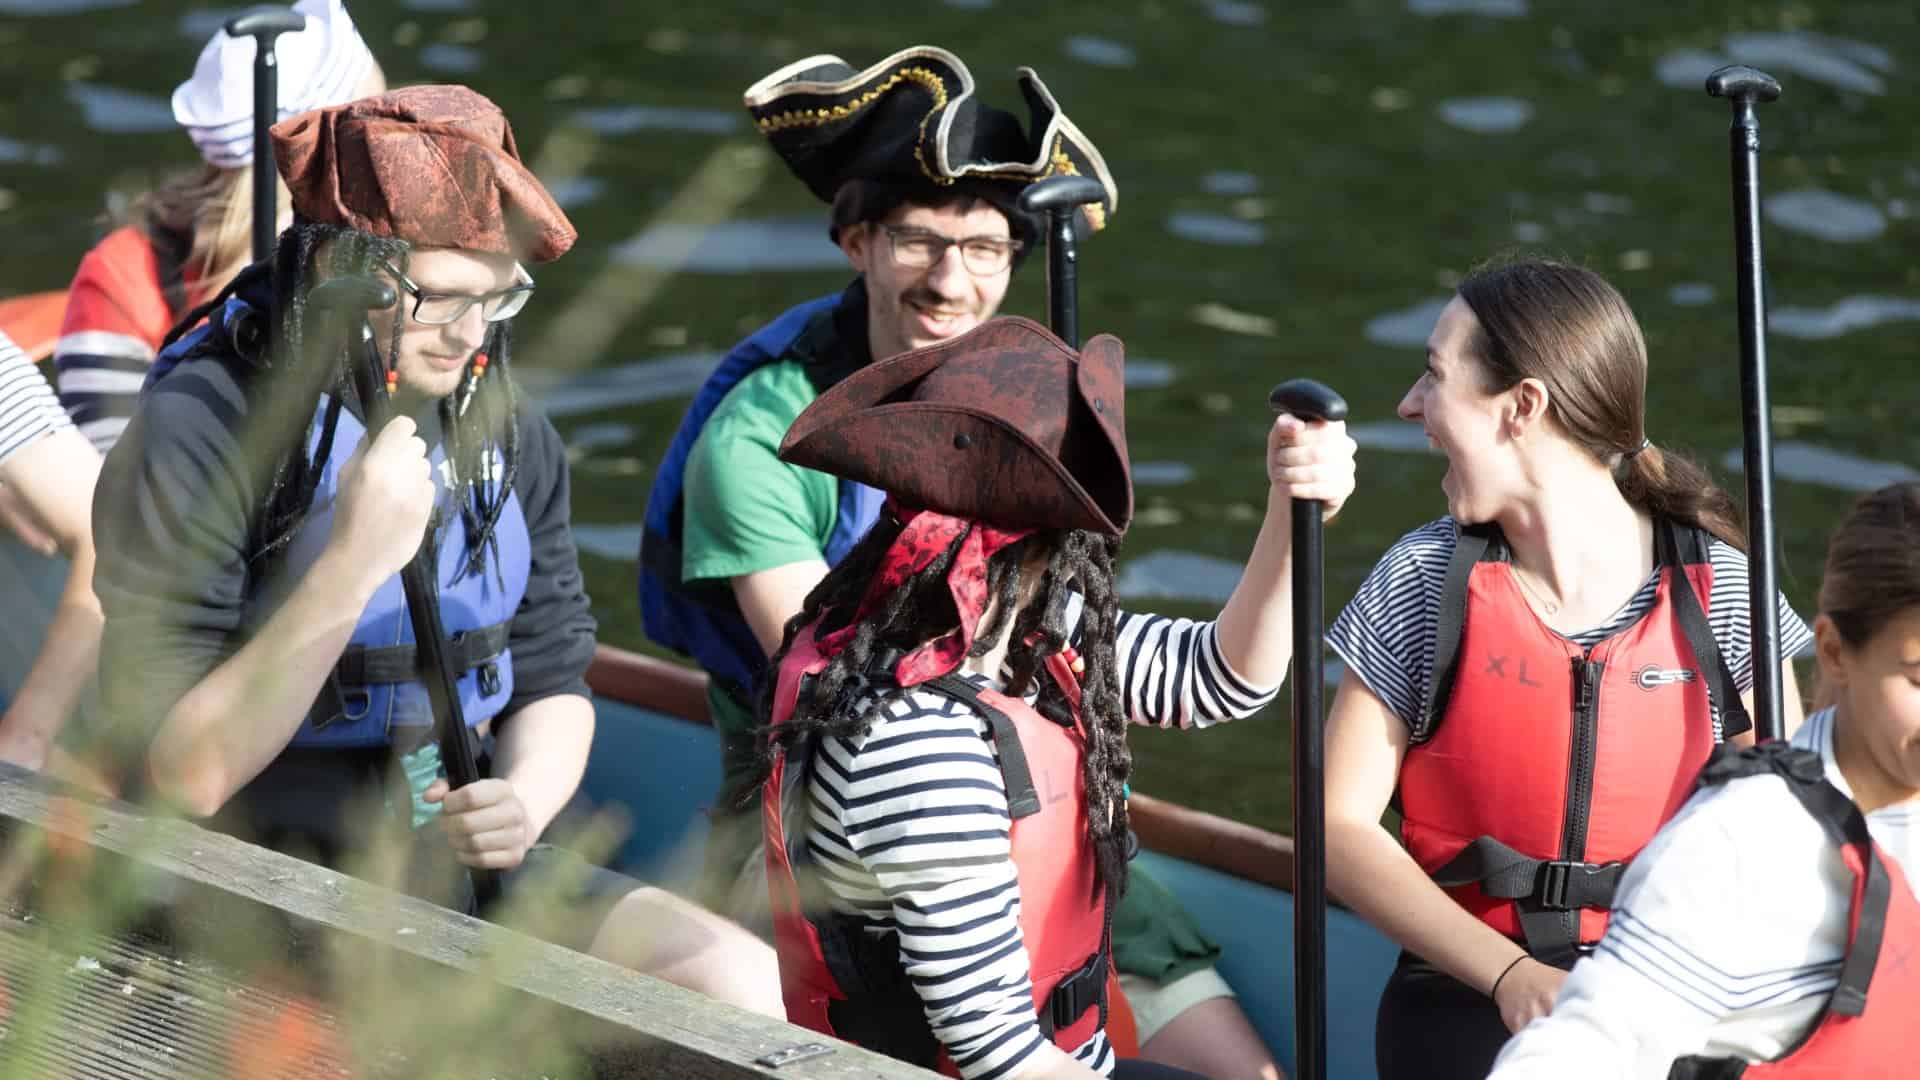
column 1004, row 425
column 435, row 166
column 913, row 118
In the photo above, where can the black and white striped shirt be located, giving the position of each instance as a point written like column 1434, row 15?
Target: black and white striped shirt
column 1386, row 633
column 909, row 832
column 1726, row 938
column 28, row 409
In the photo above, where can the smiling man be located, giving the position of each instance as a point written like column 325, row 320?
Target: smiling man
column 923, row 180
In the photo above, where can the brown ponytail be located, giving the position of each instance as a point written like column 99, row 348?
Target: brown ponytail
column 1566, row 326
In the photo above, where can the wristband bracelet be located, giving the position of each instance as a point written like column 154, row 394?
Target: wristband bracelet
column 1503, row 974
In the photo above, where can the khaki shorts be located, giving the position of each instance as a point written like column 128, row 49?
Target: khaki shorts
column 1155, row 1004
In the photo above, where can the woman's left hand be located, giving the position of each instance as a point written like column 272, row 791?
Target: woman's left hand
column 1310, row 461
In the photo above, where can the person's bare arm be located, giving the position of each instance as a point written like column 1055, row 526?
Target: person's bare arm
column 1307, row 461
column 238, row 718
column 768, row 598
column 53, row 481
column 1372, row 874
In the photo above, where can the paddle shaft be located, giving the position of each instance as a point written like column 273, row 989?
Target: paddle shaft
column 1756, row 411
column 1309, row 401
column 264, row 24
column 417, row 581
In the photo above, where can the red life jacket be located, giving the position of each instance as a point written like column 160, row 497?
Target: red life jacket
column 132, row 283
column 1546, row 766
column 840, row 980
column 1859, row 1036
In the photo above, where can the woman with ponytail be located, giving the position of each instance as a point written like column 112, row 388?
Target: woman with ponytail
column 945, row 765
column 1535, row 679
column 1769, row 930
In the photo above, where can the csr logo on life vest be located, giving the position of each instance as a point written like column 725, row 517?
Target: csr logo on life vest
column 1650, row 678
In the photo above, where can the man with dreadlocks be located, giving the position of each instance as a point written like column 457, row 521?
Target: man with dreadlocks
column 258, row 654
column 945, row 770
column 923, row 180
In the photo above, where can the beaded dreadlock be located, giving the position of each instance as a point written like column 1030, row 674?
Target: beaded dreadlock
column 922, row 609
column 479, row 416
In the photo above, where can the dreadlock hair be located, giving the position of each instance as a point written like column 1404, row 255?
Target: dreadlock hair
column 922, row 609
column 482, row 416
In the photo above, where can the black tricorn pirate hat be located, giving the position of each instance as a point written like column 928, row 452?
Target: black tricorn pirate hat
column 1004, row 424
column 913, row 118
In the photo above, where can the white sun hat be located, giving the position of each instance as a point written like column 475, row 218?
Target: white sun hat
column 321, row 65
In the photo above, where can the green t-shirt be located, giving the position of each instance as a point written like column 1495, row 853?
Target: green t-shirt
column 745, row 510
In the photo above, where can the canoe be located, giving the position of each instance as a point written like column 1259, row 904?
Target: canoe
column 33, row 321
column 656, row 763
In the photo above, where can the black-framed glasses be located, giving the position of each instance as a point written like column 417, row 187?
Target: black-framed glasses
column 442, row 309
column 918, row 248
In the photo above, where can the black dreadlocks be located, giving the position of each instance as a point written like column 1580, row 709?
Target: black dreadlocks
column 922, row 609
column 474, row 420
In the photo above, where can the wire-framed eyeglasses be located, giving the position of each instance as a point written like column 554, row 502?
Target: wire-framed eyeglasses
column 442, row 309
column 917, row 249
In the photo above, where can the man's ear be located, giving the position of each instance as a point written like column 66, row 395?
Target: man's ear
column 856, row 241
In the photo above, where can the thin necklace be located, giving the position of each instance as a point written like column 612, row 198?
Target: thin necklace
column 1551, row 609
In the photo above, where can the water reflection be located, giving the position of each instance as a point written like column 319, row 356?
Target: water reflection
column 590, row 437
column 1837, row 62
column 734, row 247
column 1392, row 436
column 1229, row 182
column 1177, row 575
column 1216, row 229
column 604, row 388
column 120, row 112
column 1826, row 215
column 1148, row 374
column 621, row 543
column 15, row 152
column 1827, row 467
column 437, row 5
column 1852, row 313
column 1408, row 328
column 1499, row 9
column 1486, row 115
column 1691, row 294
column 632, row 119
column 1161, row 473
column 1100, row 52
column 58, row 7
column 201, row 24
column 1236, row 12
column 449, row 58
column 576, row 191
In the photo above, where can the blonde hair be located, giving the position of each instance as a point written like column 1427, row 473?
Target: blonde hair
column 213, row 207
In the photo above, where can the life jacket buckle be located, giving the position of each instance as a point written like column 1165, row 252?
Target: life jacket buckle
column 489, row 679
column 1566, row 885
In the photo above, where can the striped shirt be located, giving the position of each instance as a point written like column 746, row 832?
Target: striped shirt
column 1386, row 633
column 909, row 832
column 1726, row 939
column 117, row 315
column 28, row 409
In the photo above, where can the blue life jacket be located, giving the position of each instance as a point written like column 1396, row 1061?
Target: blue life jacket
column 374, row 697
column 702, row 619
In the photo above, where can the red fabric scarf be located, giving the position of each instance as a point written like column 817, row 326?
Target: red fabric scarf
column 924, row 535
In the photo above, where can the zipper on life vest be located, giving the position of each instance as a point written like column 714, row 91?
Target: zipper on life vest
column 1586, row 709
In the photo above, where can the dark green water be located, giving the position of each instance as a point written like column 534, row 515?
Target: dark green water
column 1289, row 174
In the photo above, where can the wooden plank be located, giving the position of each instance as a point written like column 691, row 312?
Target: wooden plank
column 210, row 883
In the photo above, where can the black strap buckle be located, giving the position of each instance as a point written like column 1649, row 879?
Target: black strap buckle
column 1565, row 885
column 1074, row 995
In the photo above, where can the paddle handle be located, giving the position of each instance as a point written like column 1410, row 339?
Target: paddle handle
column 1745, row 87
column 1056, row 198
column 1309, row 401
column 263, row 24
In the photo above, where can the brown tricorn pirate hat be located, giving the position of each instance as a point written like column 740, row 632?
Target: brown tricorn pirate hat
column 913, row 118
column 1004, row 424
column 435, row 166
